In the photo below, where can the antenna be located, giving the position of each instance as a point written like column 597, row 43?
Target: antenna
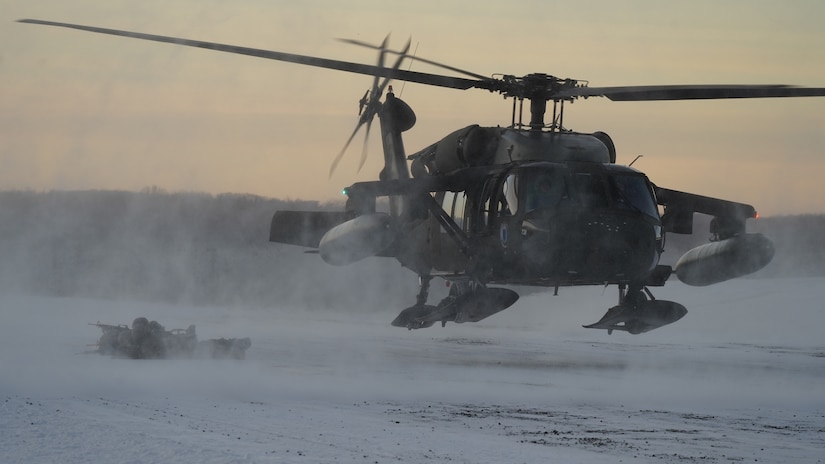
column 412, row 58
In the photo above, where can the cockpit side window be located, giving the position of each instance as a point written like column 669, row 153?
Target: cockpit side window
column 510, row 195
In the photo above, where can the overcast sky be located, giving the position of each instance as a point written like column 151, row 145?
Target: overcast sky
column 86, row 111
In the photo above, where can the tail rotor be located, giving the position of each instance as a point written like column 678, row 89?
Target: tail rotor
column 370, row 104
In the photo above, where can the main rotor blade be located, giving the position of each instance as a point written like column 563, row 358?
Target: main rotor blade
column 398, row 74
column 401, row 56
column 628, row 93
column 691, row 92
column 423, row 60
column 381, row 54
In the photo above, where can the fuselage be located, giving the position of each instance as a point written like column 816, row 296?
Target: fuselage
column 546, row 223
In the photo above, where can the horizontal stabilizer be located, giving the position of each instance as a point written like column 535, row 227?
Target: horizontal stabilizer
column 304, row 228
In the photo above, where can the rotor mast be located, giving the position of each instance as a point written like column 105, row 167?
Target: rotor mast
column 539, row 88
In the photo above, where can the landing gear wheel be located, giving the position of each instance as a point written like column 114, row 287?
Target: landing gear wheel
column 638, row 312
column 414, row 317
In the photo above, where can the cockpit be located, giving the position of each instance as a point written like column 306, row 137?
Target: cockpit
column 547, row 186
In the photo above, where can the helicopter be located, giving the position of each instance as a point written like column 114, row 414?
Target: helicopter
column 529, row 204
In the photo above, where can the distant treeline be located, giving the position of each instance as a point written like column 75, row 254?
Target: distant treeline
column 214, row 249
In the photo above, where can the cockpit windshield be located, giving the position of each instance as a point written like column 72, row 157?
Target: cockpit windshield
column 633, row 192
column 550, row 187
column 543, row 188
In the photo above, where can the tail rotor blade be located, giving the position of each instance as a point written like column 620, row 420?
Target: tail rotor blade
column 370, row 104
column 364, row 148
column 343, row 150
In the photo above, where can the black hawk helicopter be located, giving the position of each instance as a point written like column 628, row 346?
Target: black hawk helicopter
column 528, row 204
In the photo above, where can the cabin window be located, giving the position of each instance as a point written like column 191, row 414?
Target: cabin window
column 486, row 205
column 447, row 205
column 458, row 209
column 447, row 202
column 454, row 204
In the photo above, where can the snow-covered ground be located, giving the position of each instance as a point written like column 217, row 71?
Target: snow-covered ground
column 740, row 379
